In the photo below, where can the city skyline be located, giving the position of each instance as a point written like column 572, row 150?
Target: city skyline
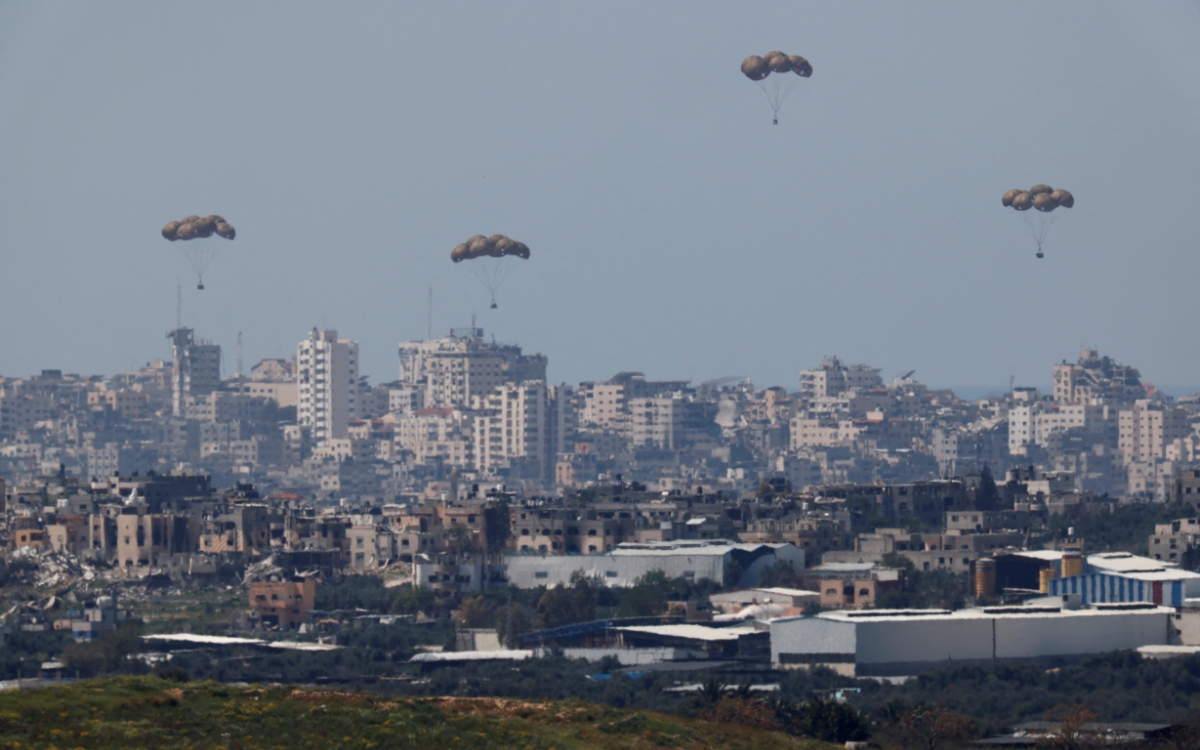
column 673, row 229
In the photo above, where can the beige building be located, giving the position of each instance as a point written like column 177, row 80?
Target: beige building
column 455, row 370
column 1146, row 429
column 833, row 378
column 514, row 421
column 809, row 431
column 1171, row 542
column 669, row 421
column 438, row 433
column 1096, row 379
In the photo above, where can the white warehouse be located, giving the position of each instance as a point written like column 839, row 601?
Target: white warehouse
column 906, row 642
column 623, row 565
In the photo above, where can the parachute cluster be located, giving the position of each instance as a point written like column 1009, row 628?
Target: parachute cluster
column 1045, row 199
column 1042, row 197
column 757, row 68
column 199, row 254
column 496, row 246
column 192, row 227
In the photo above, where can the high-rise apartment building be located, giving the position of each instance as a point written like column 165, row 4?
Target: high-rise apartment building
column 1148, row 428
column 195, row 369
column 515, row 421
column 326, row 384
column 463, row 366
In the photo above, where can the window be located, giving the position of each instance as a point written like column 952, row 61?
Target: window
column 864, row 592
column 541, row 574
column 830, row 592
column 610, row 574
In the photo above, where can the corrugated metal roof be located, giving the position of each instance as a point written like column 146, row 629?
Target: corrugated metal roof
column 212, row 640
column 1125, row 563
column 693, row 632
column 450, row 656
column 847, row 616
column 1040, row 554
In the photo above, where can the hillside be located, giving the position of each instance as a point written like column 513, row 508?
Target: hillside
column 149, row 712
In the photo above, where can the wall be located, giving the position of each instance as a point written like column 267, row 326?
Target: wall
column 815, row 637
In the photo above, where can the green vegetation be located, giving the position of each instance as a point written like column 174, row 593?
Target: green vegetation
column 1118, row 686
column 356, row 592
column 1126, row 528
column 23, row 653
column 196, row 609
column 937, row 589
column 155, row 712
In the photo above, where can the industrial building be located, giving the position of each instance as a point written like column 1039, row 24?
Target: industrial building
column 906, row 642
column 696, row 560
column 1122, row 577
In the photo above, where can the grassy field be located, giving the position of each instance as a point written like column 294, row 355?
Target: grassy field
column 148, row 712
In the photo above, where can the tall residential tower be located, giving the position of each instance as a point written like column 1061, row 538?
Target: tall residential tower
column 327, row 384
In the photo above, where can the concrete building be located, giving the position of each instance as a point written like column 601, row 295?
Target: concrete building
column 833, row 378
column 1095, row 379
column 432, row 434
column 514, row 422
column 1185, row 487
column 327, row 384
column 283, row 604
column 670, row 421
column 1176, row 542
column 623, row 566
column 456, row 369
column 195, row 369
column 907, row 642
column 1146, row 429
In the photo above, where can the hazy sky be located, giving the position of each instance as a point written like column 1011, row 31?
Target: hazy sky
column 674, row 229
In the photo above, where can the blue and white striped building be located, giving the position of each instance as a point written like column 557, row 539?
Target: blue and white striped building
column 1116, row 577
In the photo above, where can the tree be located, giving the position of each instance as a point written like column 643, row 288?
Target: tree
column 474, row 613
column 987, row 497
column 834, row 721
column 567, row 605
column 413, row 599
column 735, row 710
column 930, row 726
column 1073, row 730
column 647, row 597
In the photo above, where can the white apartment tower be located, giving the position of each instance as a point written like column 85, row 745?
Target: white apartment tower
column 327, row 384
column 195, row 369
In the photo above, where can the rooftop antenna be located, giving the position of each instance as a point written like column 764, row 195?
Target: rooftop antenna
column 239, row 354
column 429, row 332
column 1011, row 380
column 178, row 305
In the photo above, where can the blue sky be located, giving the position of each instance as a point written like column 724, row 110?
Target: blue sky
column 673, row 228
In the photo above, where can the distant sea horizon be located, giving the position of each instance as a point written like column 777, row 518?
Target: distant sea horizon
column 976, row 392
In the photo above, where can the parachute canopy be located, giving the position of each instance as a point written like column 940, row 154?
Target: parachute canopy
column 496, row 246
column 491, row 273
column 1045, row 199
column 196, row 227
column 1042, row 197
column 191, row 227
column 757, row 68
